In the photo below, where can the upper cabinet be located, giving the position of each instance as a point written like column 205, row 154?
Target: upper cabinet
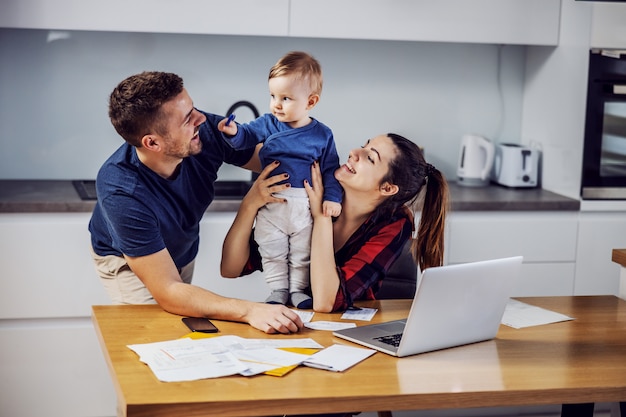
column 608, row 26
column 523, row 22
column 234, row 17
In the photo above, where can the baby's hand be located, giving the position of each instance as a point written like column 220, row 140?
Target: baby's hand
column 230, row 130
column 331, row 209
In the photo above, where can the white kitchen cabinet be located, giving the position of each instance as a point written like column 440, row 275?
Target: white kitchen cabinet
column 547, row 240
column 213, row 229
column 53, row 368
column 51, row 358
column 49, row 272
column 235, row 17
column 47, row 267
column 48, row 345
column 608, row 26
column 599, row 233
column 524, row 22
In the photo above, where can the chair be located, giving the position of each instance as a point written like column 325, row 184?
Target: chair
column 400, row 283
column 401, row 279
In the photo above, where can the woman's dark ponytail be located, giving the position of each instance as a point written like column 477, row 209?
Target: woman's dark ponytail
column 420, row 186
column 428, row 247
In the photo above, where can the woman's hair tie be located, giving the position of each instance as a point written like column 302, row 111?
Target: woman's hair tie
column 429, row 169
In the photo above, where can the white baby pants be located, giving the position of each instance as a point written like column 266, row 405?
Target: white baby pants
column 283, row 232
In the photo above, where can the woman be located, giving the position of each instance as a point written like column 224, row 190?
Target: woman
column 385, row 182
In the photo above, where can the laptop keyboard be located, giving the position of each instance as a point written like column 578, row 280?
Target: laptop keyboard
column 392, row 339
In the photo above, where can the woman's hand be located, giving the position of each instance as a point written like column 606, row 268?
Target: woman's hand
column 263, row 189
column 236, row 247
column 315, row 191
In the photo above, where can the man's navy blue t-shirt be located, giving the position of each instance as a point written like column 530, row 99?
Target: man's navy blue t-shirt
column 139, row 213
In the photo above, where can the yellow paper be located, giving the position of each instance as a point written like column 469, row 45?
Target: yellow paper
column 286, row 369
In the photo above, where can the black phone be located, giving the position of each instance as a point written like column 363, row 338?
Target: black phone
column 199, row 324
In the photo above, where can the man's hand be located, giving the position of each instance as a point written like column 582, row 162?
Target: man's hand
column 273, row 318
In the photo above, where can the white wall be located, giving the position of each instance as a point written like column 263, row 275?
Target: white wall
column 55, row 86
column 555, row 100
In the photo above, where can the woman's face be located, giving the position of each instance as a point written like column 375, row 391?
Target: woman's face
column 368, row 165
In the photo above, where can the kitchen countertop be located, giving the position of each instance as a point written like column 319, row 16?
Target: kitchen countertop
column 60, row 196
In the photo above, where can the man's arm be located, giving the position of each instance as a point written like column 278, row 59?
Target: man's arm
column 160, row 276
column 254, row 164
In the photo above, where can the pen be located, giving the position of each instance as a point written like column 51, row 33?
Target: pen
column 230, row 118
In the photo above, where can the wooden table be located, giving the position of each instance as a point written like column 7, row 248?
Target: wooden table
column 569, row 362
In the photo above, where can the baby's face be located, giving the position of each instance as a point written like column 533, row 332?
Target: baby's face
column 290, row 100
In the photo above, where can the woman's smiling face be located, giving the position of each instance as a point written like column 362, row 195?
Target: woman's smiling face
column 367, row 166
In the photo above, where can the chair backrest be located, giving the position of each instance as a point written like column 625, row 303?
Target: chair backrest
column 401, row 279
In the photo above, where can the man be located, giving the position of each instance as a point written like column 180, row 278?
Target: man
column 152, row 193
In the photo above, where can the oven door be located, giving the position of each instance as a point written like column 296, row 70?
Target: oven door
column 604, row 158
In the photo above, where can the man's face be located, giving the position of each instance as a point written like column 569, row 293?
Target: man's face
column 182, row 122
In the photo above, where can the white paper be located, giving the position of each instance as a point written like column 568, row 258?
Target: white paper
column 256, row 368
column 305, row 315
column 236, row 342
column 191, row 359
column 266, row 359
column 519, row 315
column 184, row 360
column 364, row 314
column 338, row 358
column 328, row 325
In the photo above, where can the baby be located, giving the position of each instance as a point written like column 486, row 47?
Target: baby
column 291, row 136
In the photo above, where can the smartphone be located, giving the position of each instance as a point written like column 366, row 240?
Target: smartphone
column 199, row 324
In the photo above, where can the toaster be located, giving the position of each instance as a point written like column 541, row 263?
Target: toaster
column 516, row 166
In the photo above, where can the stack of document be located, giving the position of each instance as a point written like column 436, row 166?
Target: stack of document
column 189, row 359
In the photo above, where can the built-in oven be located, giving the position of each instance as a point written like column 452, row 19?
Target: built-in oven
column 604, row 157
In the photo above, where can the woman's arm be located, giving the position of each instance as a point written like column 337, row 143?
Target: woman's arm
column 368, row 263
column 236, row 247
column 324, row 276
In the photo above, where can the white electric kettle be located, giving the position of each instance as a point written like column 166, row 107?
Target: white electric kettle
column 475, row 161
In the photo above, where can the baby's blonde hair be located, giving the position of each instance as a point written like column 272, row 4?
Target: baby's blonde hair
column 301, row 65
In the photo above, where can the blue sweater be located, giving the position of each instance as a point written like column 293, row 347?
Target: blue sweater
column 296, row 149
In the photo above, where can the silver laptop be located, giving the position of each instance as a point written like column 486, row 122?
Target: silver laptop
column 454, row 305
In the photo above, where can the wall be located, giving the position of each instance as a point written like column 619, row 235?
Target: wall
column 55, row 86
column 555, row 95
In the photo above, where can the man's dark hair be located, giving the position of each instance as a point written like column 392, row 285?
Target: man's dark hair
column 135, row 104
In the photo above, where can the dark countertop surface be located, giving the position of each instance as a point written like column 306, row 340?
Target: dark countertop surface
column 60, row 196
